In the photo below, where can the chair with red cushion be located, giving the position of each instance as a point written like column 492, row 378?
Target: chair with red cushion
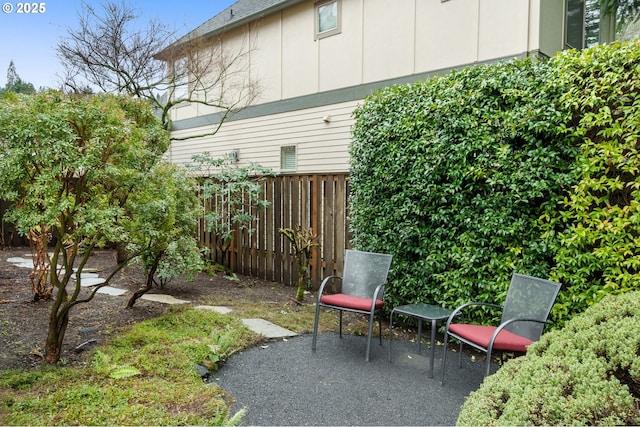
column 524, row 315
column 362, row 289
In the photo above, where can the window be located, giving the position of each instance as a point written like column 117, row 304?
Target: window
column 288, row 157
column 584, row 25
column 327, row 17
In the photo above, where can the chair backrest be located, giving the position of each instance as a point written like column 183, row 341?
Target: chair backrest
column 364, row 272
column 529, row 298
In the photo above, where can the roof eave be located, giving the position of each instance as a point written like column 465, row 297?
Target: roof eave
column 166, row 53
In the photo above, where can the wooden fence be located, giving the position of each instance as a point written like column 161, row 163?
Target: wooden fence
column 9, row 236
column 317, row 202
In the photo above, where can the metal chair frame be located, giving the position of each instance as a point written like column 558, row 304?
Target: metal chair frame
column 505, row 323
column 377, row 295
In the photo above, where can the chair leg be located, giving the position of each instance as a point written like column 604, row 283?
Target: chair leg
column 340, row 323
column 315, row 328
column 390, row 333
column 444, row 356
column 380, row 325
column 371, row 321
column 488, row 364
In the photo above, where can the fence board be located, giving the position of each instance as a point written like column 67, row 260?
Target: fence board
column 318, row 202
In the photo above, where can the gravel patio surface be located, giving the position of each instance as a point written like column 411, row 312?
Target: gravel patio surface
column 284, row 383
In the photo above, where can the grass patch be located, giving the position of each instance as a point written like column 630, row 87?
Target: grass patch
column 145, row 376
column 295, row 317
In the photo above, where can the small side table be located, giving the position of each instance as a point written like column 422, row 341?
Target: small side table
column 422, row 312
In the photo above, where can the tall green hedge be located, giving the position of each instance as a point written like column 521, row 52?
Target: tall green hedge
column 450, row 175
column 596, row 229
column 470, row 176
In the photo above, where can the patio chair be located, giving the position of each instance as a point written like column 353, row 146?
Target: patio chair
column 524, row 316
column 363, row 280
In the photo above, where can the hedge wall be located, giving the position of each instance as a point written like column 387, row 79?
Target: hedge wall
column 470, row 176
column 596, row 228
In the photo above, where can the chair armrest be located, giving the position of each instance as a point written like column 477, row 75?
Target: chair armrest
column 324, row 283
column 457, row 311
column 378, row 291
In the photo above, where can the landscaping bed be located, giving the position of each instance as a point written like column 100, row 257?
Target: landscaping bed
column 23, row 323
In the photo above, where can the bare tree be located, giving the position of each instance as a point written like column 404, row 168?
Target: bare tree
column 107, row 51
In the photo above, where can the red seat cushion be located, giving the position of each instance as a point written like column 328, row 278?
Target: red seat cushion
column 349, row 301
column 481, row 335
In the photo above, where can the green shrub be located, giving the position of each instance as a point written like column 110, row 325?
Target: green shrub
column 450, row 175
column 587, row 373
column 522, row 166
column 596, row 228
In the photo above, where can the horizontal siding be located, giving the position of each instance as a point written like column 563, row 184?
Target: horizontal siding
column 320, row 146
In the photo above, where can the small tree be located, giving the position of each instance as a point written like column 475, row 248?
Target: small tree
column 232, row 196
column 110, row 50
column 15, row 83
column 162, row 229
column 70, row 164
column 302, row 242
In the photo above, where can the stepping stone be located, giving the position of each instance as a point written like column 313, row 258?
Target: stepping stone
column 165, row 299
column 91, row 281
column 216, row 308
column 109, row 290
column 86, row 270
column 86, row 276
column 25, row 265
column 268, row 329
column 20, row 260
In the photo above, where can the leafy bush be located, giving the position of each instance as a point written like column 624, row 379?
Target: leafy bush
column 450, row 175
column 585, row 374
column 521, row 166
column 597, row 226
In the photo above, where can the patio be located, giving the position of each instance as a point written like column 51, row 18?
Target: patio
column 284, row 383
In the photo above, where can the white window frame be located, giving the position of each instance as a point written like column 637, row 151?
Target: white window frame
column 318, row 7
column 284, row 151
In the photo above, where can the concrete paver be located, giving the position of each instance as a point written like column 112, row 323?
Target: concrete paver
column 165, row 299
column 220, row 309
column 268, row 329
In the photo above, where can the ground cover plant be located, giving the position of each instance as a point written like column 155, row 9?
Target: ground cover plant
column 527, row 166
column 23, row 329
column 121, row 382
column 587, row 373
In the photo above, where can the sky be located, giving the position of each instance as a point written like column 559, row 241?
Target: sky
column 30, row 39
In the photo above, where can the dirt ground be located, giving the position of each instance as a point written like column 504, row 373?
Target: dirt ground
column 23, row 323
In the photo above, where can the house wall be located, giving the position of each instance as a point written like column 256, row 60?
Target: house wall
column 320, row 146
column 303, row 80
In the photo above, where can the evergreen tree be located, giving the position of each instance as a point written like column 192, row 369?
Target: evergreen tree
column 15, row 83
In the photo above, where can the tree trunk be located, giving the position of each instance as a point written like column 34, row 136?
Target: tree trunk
column 148, row 282
column 121, row 254
column 302, row 276
column 58, row 322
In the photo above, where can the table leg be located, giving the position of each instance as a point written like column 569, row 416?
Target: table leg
column 419, row 333
column 433, row 346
